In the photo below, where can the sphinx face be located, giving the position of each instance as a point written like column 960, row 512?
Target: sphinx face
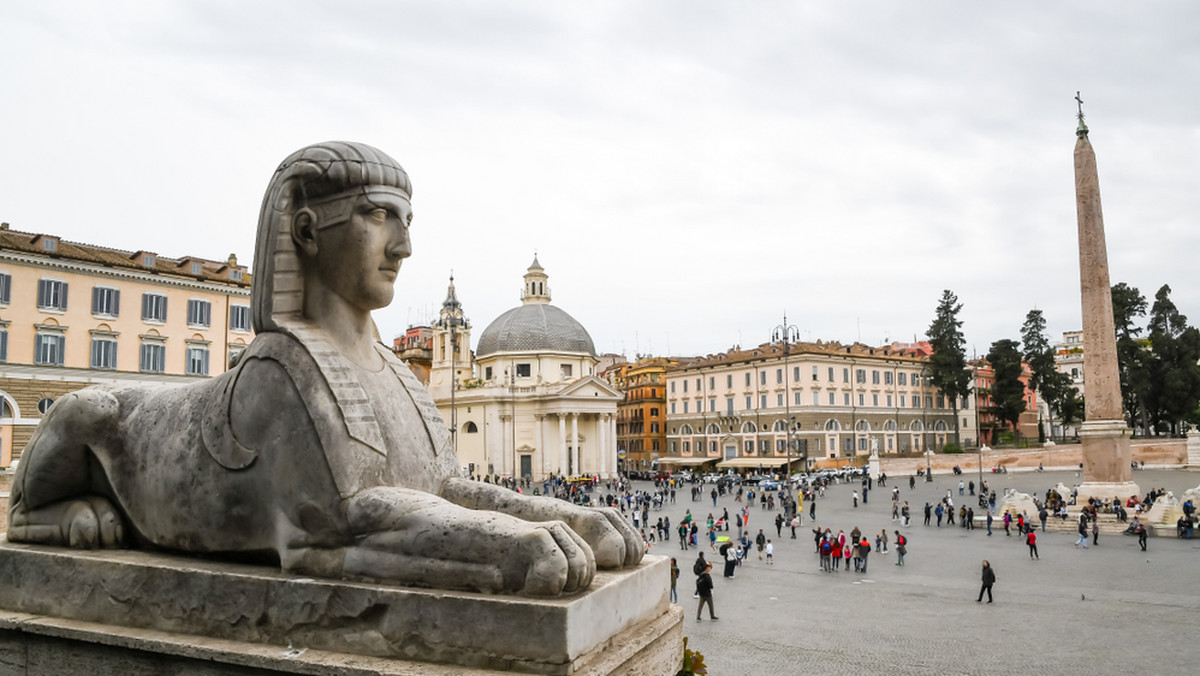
column 360, row 258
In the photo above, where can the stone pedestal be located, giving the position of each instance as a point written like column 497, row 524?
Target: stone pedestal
column 112, row 611
column 873, row 465
column 1193, row 449
column 1106, row 454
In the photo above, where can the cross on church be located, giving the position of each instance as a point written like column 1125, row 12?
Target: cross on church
column 1080, row 105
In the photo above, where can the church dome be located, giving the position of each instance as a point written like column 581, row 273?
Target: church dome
column 535, row 325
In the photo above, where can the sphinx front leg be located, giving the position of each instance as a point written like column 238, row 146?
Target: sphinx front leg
column 415, row 538
column 613, row 541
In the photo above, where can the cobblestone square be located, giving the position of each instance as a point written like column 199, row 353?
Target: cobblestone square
column 1107, row 609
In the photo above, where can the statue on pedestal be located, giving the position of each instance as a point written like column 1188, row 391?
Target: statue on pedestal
column 319, row 450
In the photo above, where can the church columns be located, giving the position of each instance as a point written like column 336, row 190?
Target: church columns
column 562, row 443
column 612, row 450
column 538, row 419
column 574, row 450
column 602, row 456
column 506, row 422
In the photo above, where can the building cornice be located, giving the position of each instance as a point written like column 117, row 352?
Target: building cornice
column 120, row 273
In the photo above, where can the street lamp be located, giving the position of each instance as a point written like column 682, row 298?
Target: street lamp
column 787, row 334
column 925, row 425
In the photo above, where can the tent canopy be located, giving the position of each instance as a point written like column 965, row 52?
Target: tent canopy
column 685, row 462
column 744, row 463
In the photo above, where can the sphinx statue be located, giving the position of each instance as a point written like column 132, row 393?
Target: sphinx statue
column 319, row 451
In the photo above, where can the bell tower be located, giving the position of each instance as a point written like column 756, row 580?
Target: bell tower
column 537, row 287
column 452, row 362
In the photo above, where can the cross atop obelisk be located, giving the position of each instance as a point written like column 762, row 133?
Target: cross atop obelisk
column 1104, row 436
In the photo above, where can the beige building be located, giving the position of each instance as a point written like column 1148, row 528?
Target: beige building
column 734, row 410
column 528, row 403
column 73, row 315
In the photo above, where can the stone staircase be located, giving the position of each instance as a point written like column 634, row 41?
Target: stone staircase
column 1108, row 524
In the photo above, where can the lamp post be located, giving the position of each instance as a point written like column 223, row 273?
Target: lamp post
column 924, row 426
column 787, row 334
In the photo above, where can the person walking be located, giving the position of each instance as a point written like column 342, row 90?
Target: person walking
column 729, row 552
column 989, row 579
column 674, row 580
column 989, row 524
column 1141, row 534
column 779, row 525
column 698, row 568
column 854, row 496
column 1031, row 540
column 1095, row 530
column 901, row 548
column 760, row 542
column 704, row 587
column 795, row 523
column 770, row 549
column 928, row 513
column 1083, row 528
column 864, row 549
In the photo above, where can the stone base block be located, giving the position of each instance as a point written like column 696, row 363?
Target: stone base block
column 1102, row 490
column 112, row 609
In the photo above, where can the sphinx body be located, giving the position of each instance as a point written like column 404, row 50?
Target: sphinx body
column 319, row 449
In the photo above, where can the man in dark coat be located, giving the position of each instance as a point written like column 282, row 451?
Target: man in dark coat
column 989, row 579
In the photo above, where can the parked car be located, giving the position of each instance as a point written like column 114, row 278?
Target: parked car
column 769, row 485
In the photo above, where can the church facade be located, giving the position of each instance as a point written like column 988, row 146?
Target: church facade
column 528, row 402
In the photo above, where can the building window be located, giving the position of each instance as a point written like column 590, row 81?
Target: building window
column 523, row 370
column 762, row 401
column 106, row 301
column 487, row 373
column 902, row 378
column 748, row 446
column 762, row 377
column 845, row 399
column 816, row 398
column 729, row 381
column 239, row 317
column 698, row 386
column 845, row 375
column 749, row 402
column 3, row 343
column 672, row 387
column 653, row 428
column 197, row 360
column 814, row 373
column 779, row 399
column 874, row 377
column 470, row 427
column 5, row 288
column 197, row 268
column 565, row 370
column 235, row 275
column 154, row 307
column 672, row 408
column 861, row 376
column 52, row 294
column 875, row 400
column 747, row 379
column 48, row 348
column 831, row 374
column 199, row 313
column 43, row 405
column 729, row 405
column 831, row 400
column 712, row 404
column 653, row 412
column 796, row 396
column 153, row 357
column 889, row 401
column 861, row 398
column 687, row 447
column 778, row 376
column 685, row 407
column 685, row 386
column 104, row 352
column 50, row 244
column 887, row 377
column 712, row 383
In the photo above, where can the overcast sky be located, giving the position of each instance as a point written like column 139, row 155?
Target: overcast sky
column 686, row 171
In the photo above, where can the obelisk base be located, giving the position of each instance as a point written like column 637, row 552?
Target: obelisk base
column 1107, row 472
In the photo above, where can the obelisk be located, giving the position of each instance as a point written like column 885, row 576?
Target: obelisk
column 1105, row 436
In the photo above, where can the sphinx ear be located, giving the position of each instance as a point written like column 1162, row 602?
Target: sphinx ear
column 304, row 231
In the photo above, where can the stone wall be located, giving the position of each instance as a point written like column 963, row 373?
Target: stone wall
column 1170, row 452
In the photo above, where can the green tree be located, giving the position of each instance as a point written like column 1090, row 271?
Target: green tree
column 1054, row 387
column 1133, row 361
column 1008, row 392
column 1175, row 350
column 948, row 365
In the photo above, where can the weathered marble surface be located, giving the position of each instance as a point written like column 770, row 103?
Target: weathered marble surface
column 319, row 449
column 260, row 606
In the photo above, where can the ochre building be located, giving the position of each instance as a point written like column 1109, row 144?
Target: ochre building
column 73, row 315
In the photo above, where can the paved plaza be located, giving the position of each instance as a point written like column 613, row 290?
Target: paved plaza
column 1105, row 610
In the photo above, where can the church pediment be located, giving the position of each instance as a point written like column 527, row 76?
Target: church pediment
column 590, row 387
